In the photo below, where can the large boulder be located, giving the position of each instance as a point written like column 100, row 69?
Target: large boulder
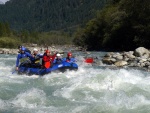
column 142, row 52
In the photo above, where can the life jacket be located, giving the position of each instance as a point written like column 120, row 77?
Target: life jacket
column 23, row 58
column 47, row 60
column 36, row 59
column 58, row 61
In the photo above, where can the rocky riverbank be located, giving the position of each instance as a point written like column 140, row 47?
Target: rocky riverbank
column 59, row 49
column 139, row 58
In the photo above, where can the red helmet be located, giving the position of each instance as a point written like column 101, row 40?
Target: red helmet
column 69, row 54
column 47, row 51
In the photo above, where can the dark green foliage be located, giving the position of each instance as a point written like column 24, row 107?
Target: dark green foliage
column 45, row 21
column 122, row 25
column 11, row 39
column 8, row 42
column 4, row 29
column 46, row 15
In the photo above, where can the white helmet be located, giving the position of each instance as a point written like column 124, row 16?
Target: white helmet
column 58, row 55
column 35, row 49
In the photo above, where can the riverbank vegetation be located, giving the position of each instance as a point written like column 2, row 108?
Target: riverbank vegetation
column 11, row 39
column 121, row 25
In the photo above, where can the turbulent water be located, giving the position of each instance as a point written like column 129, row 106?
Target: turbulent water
column 91, row 89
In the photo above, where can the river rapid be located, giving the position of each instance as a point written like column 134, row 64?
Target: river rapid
column 91, row 89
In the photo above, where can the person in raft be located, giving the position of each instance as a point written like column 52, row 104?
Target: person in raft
column 58, row 59
column 48, row 59
column 36, row 59
column 69, row 58
column 26, row 49
column 23, row 58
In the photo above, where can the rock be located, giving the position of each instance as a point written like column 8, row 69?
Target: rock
column 148, row 59
column 107, row 60
column 141, row 51
column 126, row 59
column 97, row 63
column 120, row 63
column 147, row 64
column 33, row 45
column 132, row 64
column 129, row 55
column 142, row 64
column 113, row 60
column 119, row 57
column 145, row 56
column 143, row 60
column 108, row 55
column 140, row 58
column 131, row 52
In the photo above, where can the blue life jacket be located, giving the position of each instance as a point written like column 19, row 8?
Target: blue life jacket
column 22, row 57
column 57, row 61
column 69, row 59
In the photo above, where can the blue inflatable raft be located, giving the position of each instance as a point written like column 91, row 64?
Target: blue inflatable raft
column 40, row 71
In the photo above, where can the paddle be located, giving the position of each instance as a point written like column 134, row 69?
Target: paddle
column 13, row 71
column 89, row 60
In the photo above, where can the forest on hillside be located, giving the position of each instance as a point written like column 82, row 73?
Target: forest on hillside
column 121, row 25
column 47, row 15
column 44, row 22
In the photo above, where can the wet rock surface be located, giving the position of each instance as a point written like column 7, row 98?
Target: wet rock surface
column 139, row 58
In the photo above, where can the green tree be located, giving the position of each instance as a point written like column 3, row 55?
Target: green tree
column 122, row 25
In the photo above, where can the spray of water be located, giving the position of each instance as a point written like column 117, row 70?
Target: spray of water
column 88, row 90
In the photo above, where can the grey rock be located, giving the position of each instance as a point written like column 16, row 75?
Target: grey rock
column 119, row 57
column 120, row 63
column 141, row 51
column 107, row 60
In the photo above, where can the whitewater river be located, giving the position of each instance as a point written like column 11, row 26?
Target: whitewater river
column 91, row 89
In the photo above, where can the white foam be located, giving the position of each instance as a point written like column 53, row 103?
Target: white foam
column 101, row 87
column 30, row 99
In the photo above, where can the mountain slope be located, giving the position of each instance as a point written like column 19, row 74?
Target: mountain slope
column 45, row 15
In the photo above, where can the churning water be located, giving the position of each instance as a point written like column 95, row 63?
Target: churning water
column 88, row 90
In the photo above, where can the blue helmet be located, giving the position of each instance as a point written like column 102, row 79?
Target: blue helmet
column 23, row 49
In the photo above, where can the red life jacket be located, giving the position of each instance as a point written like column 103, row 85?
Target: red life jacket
column 47, row 60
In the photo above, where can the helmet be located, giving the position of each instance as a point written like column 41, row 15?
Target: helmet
column 47, row 51
column 58, row 55
column 23, row 48
column 35, row 49
column 19, row 47
column 69, row 54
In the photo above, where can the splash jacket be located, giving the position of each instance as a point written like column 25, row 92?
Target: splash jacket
column 22, row 57
column 47, row 60
column 58, row 61
column 67, row 59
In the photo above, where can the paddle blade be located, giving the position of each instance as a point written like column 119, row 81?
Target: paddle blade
column 89, row 60
column 13, row 71
column 47, row 64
